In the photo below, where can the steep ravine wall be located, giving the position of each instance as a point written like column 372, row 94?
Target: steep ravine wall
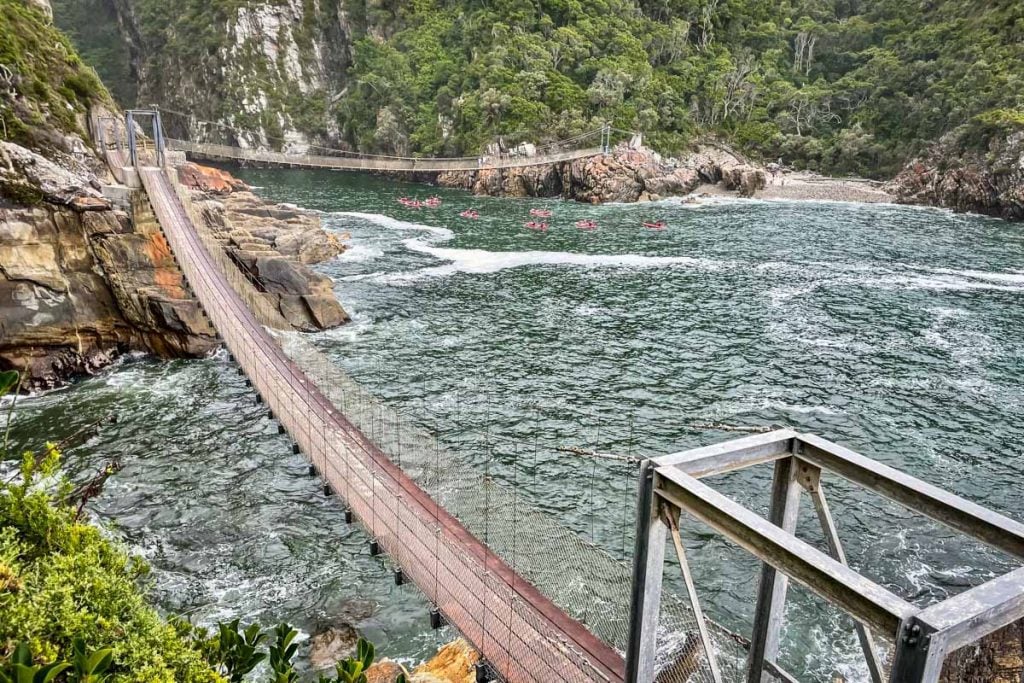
column 255, row 74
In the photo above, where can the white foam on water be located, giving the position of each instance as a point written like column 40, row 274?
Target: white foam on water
column 395, row 224
column 359, row 252
column 483, row 261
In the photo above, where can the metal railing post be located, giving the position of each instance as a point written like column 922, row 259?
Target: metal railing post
column 648, row 572
column 771, row 596
column 130, row 130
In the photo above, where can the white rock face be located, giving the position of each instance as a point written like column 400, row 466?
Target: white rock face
column 44, row 5
column 265, row 60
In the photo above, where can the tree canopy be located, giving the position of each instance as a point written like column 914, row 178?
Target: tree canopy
column 845, row 86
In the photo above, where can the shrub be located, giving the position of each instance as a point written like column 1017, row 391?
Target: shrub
column 62, row 581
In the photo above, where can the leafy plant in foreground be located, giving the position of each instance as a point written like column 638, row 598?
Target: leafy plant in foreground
column 281, row 654
column 353, row 669
column 90, row 668
column 237, row 649
column 21, row 669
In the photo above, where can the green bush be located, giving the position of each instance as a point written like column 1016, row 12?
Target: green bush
column 51, row 84
column 72, row 608
column 62, row 580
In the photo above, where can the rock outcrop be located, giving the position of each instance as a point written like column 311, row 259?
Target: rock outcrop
column 990, row 183
column 81, row 283
column 274, row 244
column 453, row 663
column 627, row 174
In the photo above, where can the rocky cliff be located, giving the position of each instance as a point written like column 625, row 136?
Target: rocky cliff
column 989, row 182
column 255, row 74
column 80, row 280
column 83, row 278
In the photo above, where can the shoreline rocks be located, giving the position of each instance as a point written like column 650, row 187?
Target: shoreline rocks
column 273, row 243
column 453, row 663
column 626, row 174
column 989, row 183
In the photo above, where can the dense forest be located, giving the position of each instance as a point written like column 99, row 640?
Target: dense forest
column 841, row 86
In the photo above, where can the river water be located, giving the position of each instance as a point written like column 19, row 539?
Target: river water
column 894, row 331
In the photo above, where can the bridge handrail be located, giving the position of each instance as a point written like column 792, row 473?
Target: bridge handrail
column 426, row 164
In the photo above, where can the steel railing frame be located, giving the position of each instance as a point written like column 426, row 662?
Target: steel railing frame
column 671, row 485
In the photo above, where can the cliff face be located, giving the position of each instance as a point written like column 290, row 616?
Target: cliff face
column 989, row 182
column 260, row 74
column 80, row 280
column 78, row 288
column 84, row 279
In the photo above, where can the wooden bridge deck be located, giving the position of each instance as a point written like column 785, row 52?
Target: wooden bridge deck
column 520, row 632
column 370, row 163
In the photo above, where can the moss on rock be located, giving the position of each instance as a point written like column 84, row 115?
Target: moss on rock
column 44, row 86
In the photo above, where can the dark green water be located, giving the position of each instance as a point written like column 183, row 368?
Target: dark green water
column 894, row 331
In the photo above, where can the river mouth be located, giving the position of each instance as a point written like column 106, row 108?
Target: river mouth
column 894, row 331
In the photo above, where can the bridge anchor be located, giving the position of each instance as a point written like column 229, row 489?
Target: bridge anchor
column 399, row 576
column 374, row 548
column 436, row 620
column 348, row 515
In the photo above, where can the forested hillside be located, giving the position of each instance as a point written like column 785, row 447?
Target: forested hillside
column 842, row 86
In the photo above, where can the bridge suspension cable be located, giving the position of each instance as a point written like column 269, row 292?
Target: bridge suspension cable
column 337, row 151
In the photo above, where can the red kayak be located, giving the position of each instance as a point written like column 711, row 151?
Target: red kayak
column 534, row 225
column 470, row 213
column 433, row 202
column 586, row 225
column 540, row 213
column 660, row 225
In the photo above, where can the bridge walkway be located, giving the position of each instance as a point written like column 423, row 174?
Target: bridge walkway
column 521, row 633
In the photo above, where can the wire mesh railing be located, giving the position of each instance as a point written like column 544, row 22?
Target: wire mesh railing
column 579, row 576
column 243, row 283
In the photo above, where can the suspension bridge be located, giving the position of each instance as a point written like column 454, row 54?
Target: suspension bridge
column 541, row 604
column 585, row 145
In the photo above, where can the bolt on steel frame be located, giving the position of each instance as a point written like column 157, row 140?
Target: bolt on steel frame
column 923, row 637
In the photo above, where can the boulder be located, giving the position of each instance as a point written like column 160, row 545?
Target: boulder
column 207, row 179
column 384, row 671
column 453, row 663
column 680, row 181
column 330, row 646
column 325, row 310
column 744, row 180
